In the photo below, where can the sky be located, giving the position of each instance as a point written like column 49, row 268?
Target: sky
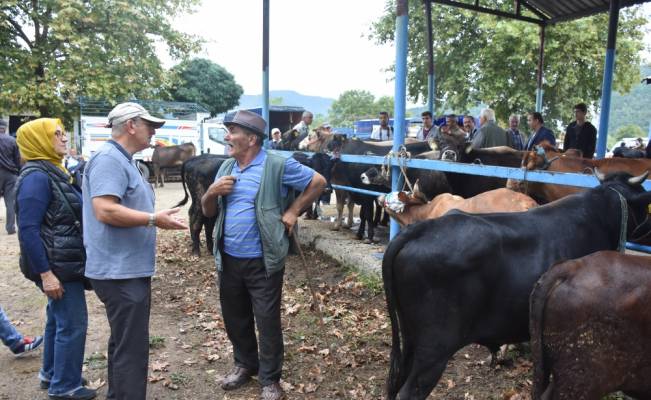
column 317, row 47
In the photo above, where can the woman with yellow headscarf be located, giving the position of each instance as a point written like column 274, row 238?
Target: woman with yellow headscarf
column 49, row 210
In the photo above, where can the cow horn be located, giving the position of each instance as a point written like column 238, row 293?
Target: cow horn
column 637, row 180
column 598, row 174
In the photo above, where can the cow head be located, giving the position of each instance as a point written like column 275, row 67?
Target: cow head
column 337, row 143
column 399, row 204
column 633, row 199
column 373, row 176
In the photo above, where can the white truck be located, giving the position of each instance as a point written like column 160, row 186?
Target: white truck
column 207, row 136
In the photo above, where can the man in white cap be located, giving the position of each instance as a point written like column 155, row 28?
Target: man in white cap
column 275, row 139
column 120, row 238
column 303, row 127
column 254, row 194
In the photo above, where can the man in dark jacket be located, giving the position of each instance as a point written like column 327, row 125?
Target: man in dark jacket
column 581, row 134
column 9, row 167
column 539, row 132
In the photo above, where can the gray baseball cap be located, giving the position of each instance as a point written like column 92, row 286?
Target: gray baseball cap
column 126, row 111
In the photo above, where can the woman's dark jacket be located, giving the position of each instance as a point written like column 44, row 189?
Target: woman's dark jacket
column 61, row 230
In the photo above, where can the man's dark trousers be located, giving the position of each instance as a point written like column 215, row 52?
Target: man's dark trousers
column 246, row 292
column 8, row 192
column 127, row 303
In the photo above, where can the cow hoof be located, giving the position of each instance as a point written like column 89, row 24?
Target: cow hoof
column 367, row 241
column 359, row 237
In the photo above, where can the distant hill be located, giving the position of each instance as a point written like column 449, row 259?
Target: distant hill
column 315, row 104
column 633, row 107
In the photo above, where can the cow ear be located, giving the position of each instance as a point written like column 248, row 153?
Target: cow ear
column 420, row 197
column 416, row 187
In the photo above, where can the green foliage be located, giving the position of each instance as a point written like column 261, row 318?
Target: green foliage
column 156, row 342
column 53, row 51
column 204, row 82
column 482, row 58
column 632, row 108
column 353, row 105
column 626, row 131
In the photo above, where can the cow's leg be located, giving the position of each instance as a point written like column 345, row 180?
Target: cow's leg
column 195, row 228
column 424, row 374
column 351, row 209
column 209, row 224
column 156, row 174
column 369, row 216
column 162, row 176
column 378, row 215
column 340, row 195
column 362, row 221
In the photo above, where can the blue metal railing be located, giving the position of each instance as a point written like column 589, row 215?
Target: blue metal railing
column 560, row 178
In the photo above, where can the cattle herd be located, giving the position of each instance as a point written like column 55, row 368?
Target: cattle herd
column 479, row 261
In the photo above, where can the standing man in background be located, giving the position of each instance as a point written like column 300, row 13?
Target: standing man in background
column 303, row 127
column 428, row 131
column 9, row 167
column 539, row 133
column 384, row 131
column 517, row 141
column 581, row 134
column 120, row 238
column 490, row 134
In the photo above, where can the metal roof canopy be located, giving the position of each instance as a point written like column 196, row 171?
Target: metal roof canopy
column 548, row 12
column 545, row 12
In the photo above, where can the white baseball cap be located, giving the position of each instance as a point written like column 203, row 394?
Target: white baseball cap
column 126, row 111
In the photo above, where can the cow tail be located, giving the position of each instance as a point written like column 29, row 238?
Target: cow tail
column 395, row 379
column 537, row 303
column 185, row 191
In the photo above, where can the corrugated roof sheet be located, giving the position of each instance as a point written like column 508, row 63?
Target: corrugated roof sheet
column 565, row 10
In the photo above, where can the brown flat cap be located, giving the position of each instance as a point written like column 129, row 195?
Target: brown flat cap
column 246, row 119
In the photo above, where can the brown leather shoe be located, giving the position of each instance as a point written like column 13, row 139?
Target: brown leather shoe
column 236, row 378
column 272, row 392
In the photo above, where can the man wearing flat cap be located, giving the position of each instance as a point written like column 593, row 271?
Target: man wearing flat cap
column 253, row 198
column 120, row 239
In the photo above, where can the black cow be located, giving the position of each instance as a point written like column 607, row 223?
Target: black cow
column 466, row 278
column 290, row 140
column 348, row 174
column 321, row 163
column 197, row 174
column 433, row 183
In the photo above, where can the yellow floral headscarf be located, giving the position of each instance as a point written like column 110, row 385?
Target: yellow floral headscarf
column 35, row 141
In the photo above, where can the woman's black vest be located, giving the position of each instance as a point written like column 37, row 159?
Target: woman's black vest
column 61, row 227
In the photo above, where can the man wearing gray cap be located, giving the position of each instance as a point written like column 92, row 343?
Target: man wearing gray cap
column 120, row 239
column 253, row 198
column 9, row 167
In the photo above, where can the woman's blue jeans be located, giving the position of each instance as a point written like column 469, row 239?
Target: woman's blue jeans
column 64, row 340
column 8, row 334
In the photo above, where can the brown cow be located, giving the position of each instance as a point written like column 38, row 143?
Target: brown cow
column 170, row 156
column 416, row 208
column 590, row 327
column 553, row 160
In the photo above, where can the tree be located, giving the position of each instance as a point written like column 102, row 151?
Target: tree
column 626, row 131
column 351, row 106
column 204, row 82
column 384, row 103
column 53, row 51
column 482, row 58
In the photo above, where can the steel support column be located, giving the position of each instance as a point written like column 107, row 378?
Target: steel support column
column 431, row 77
column 606, row 87
column 265, row 67
column 539, row 80
column 402, row 31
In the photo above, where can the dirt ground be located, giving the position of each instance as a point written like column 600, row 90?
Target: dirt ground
column 346, row 358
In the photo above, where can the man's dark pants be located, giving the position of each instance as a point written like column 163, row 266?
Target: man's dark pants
column 246, row 293
column 8, row 192
column 127, row 303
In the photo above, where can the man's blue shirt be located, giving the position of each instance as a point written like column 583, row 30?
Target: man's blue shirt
column 241, row 234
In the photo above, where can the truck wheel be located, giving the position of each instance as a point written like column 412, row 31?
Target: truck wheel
column 144, row 170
